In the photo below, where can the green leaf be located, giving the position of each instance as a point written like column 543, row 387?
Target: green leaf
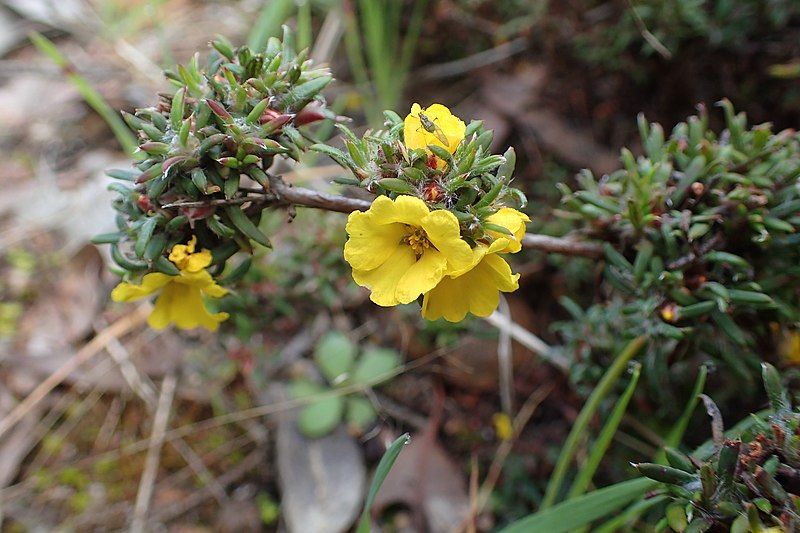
column 321, row 417
column 381, row 472
column 603, row 388
column 360, row 412
column 774, row 387
column 246, row 226
column 676, row 517
column 582, row 511
column 603, row 441
column 334, row 356
column 302, row 388
column 675, row 435
column 375, row 362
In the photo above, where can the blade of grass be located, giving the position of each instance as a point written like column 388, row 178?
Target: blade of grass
column 375, row 33
column 272, row 16
column 358, row 68
column 303, row 24
column 583, row 510
column 635, row 510
column 381, row 472
column 124, row 135
column 603, row 441
column 603, row 388
column 410, row 42
column 676, row 433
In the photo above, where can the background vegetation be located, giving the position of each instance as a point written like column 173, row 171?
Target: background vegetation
column 279, row 420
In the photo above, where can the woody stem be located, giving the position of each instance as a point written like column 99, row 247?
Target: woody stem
column 281, row 194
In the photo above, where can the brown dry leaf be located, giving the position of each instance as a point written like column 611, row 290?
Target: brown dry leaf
column 430, row 483
column 517, row 97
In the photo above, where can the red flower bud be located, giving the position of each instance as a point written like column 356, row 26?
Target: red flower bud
column 144, row 204
column 310, row 113
column 432, row 192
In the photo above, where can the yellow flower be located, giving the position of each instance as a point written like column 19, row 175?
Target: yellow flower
column 503, row 427
column 790, row 348
column 515, row 222
column 474, row 289
column 437, row 126
column 181, row 298
column 399, row 249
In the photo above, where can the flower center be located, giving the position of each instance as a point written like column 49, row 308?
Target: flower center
column 417, row 239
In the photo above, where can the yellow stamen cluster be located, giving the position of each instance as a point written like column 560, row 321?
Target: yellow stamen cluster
column 417, row 239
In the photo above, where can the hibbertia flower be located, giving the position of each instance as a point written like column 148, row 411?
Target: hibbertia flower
column 476, row 289
column 400, row 249
column 180, row 300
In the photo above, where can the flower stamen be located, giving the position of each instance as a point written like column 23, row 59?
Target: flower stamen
column 417, row 239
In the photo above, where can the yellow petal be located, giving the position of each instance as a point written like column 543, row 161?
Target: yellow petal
column 448, row 125
column 476, row 291
column 183, row 306
column 203, row 281
column 445, row 234
column 453, row 298
column 213, row 290
column 383, row 281
column 515, row 222
column 404, row 209
column 370, row 243
column 161, row 315
column 125, row 292
column 180, row 252
column 477, row 254
column 497, row 268
column 197, row 261
column 422, row 276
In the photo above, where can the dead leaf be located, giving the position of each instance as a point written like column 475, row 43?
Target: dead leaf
column 517, row 97
column 322, row 480
column 429, row 482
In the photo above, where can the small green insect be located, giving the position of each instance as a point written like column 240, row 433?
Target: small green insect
column 431, row 127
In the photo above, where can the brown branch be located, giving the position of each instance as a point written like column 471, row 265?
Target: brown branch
column 562, row 245
column 284, row 195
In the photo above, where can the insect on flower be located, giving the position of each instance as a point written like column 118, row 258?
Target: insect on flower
column 431, row 127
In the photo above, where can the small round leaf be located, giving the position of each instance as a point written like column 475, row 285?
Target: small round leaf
column 334, row 356
column 321, row 417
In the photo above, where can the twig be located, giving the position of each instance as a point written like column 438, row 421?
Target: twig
column 285, row 195
column 504, row 362
column 92, row 348
column 562, row 245
column 528, row 339
column 253, row 459
column 520, row 421
column 473, row 62
column 152, row 460
column 145, row 389
column 651, row 39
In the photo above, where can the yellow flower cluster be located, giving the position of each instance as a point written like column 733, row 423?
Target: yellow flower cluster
column 402, row 250
column 181, row 298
